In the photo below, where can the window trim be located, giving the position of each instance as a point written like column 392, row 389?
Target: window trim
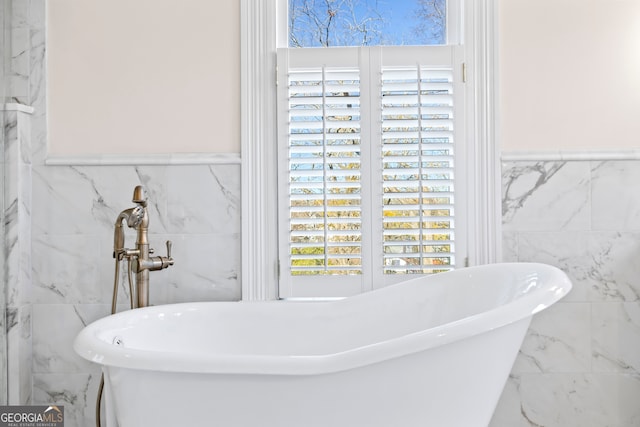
column 259, row 273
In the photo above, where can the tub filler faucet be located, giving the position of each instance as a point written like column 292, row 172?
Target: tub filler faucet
column 140, row 261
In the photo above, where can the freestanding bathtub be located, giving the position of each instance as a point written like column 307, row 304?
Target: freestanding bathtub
column 434, row 351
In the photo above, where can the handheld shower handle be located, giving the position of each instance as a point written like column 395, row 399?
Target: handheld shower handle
column 118, row 240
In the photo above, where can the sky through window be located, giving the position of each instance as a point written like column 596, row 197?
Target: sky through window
column 315, row 23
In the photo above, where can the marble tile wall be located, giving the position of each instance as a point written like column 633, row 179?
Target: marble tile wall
column 579, row 365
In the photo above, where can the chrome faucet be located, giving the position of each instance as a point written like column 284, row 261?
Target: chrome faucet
column 140, row 260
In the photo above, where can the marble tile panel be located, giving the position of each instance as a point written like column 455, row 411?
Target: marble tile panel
column 17, row 257
column 37, row 82
column 204, row 199
column 569, row 400
column 17, row 208
column 20, row 54
column 546, row 196
column 17, row 88
column 616, row 337
column 558, row 340
column 63, row 202
column 207, row 268
column 601, row 265
column 66, row 270
column 25, row 121
column 55, row 326
column 81, row 200
column 614, row 273
column 19, row 355
column 77, row 392
column 509, row 246
column 565, row 250
column 11, row 140
column 619, row 394
column 3, row 348
column 20, row 13
column 37, row 14
column 616, row 195
column 508, row 412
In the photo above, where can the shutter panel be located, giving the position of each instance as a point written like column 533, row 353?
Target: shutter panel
column 367, row 162
column 418, row 170
column 325, row 235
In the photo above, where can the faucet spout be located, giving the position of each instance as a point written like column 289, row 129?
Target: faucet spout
column 139, row 196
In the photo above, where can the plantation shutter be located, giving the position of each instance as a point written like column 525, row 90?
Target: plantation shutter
column 324, row 171
column 369, row 167
column 321, row 164
column 418, row 170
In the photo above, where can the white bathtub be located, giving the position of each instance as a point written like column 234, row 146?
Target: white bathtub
column 432, row 351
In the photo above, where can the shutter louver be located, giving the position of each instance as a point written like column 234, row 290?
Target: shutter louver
column 324, row 171
column 418, row 170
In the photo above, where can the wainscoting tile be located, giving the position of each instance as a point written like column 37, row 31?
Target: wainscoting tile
column 66, row 270
column 547, row 196
column 82, row 199
column 207, row 268
column 63, row 201
column 19, row 354
column 565, row 250
column 619, row 394
column 569, row 400
column 616, row 337
column 204, row 199
column 558, row 340
column 4, row 396
column 55, row 326
column 616, row 195
column 20, row 41
column 614, row 273
column 509, row 246
column 77, row 392
column 19, row 14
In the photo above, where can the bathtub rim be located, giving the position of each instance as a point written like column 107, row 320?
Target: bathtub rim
column 89, row 345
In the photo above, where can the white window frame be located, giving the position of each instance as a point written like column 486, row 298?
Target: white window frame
column 259, row 39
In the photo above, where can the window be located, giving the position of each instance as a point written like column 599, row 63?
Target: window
column 479, row 188
column 369, row 173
